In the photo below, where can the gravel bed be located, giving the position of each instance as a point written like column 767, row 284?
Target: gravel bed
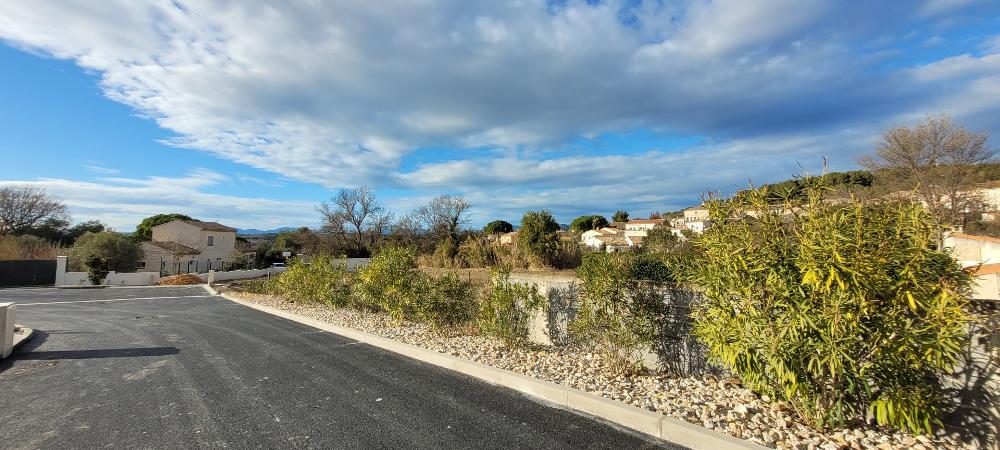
column 716, row 403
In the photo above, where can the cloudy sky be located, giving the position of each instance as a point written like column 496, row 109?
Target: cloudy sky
column 252, row 112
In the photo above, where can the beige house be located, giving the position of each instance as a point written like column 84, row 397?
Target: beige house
column 508, row 238
column 185, row 246
column 696, row 219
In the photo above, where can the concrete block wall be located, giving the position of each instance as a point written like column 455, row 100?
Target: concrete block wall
column 676, row 351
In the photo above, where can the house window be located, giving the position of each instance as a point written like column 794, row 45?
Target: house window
column 141, row 265
column 211, row 240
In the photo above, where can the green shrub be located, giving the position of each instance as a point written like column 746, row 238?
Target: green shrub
column 390, row 282
column 506, row 309
column 537, row 236
column 477, row 251
column 445, row 301
column 97, row 268
column 267, row 286
column 840, row 309
column 324, row 280
column 620, row 306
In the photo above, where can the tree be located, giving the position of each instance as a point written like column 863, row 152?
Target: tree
column 356, row 215
column 445, row 214
column 936, row 159
column 498, row 227
column 119, row 251
column 74, row 232
column 586, row 223
column 537, row 235
column 144, row 231
column 23, row 207
column 97, row 268
column 620, row 216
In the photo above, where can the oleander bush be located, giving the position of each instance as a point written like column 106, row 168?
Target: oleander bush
column 390, row 283
column 505, row 309
column 842, row 309
column 323, row 280
column 445, row 302
column 621, row 306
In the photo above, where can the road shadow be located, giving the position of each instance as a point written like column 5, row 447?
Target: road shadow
column 28, row 351
column 98, row 353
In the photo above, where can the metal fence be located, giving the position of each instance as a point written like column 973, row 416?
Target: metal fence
column 27, row 273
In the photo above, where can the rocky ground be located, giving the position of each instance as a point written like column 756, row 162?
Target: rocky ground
column 716, row 403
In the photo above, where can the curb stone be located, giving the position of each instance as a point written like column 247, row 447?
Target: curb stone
column 653, row 424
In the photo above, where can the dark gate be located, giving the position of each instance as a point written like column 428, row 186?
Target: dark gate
column 27, row 273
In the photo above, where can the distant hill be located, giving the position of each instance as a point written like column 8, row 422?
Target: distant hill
column 256, row 231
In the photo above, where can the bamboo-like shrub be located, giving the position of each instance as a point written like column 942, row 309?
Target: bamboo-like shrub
column 840, row 308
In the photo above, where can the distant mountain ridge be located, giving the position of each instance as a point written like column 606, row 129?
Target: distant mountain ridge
column 272, row 231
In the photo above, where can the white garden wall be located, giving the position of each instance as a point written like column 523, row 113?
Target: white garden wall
column 113, row 279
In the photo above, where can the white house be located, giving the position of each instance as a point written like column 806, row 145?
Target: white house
column 183, row 246
column 696, row 219
column 599, row 237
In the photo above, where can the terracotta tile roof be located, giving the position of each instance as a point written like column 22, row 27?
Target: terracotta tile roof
column 175, row 248
column 987, row 269
column 208, row 226
column 647, row 221
column 974, row 237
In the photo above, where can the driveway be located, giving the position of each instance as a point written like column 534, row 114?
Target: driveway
column 174, row 367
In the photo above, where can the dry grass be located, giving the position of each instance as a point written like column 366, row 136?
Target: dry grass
column 27, row 248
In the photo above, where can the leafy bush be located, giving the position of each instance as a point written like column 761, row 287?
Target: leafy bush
column 476, row 251
column 621, row 306
column 837, row 308
column 505, row 310
column 324, row 280
column 266, row 286
column 390, row 282
column 97, row 268
column 120, row 252
column 445, row 301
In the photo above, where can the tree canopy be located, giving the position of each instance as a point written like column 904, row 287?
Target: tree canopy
column 586, row 223
column 144, row 231
column 538, row 235
column 119, row 252
column 498, row 227
column 620, row 216
column 24, row 207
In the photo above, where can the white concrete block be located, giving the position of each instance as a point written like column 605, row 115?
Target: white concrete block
column 6, row 329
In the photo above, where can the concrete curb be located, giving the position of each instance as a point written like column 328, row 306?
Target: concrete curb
column 653, row 424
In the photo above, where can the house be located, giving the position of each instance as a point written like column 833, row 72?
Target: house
column 696, row 219
column 508, row 238
column 971, row 250
column 600, row 237
column 644, row 224
column 184, row 246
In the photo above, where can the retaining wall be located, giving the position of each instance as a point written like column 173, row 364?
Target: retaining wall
column 113, row 279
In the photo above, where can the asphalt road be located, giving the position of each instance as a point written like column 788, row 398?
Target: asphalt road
column 176, row 368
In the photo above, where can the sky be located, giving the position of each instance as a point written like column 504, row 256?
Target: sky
column 251, row 113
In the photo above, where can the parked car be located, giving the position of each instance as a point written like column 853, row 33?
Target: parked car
column 274, row 265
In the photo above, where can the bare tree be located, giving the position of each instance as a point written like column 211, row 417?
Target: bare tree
column 357, row 215
column 23, row 207
column 937, row 160
column 445, row 214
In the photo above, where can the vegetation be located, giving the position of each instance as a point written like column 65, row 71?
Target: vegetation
column 24, row 207
column 498, row 227
column 97, row 268
column 324, row 280
column 144, row 231
column 390, row 283
column 356, row 216
column 505, row 310
column 587, row 223
column 119, row 252
column 621, row 306
column 27, row 247
column 537, row 236
column 445, row 302
column 838, row 309
column 938, row 160
column 620, row 216
column 444, row 215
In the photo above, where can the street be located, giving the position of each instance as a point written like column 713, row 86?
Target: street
column 172, row 367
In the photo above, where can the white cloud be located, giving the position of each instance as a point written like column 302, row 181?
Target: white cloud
column 122, row 202
column 339, row 94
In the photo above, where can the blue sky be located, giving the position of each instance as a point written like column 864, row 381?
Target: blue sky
column 253, row 114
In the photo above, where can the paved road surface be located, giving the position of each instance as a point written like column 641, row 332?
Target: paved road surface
column 175, row 368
